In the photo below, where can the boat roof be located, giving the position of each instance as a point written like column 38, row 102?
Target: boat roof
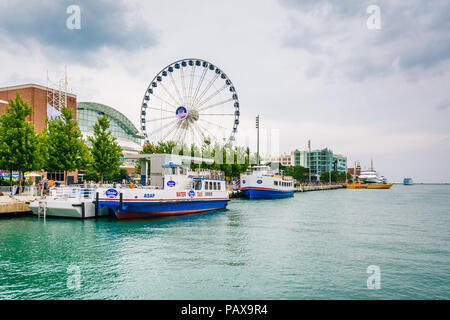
column 171, row 165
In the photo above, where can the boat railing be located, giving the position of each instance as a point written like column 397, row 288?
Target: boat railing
column 66, row 193
column 206, row 174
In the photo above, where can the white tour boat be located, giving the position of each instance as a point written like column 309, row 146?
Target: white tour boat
column 261, row 182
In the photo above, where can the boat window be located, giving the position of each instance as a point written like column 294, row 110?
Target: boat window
column 219, row 185
column 210, row 185
column 275, row 183
column 198, row 185
column 215, row 186
column 206, row 185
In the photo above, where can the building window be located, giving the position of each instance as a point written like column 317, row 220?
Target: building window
column 56, row 176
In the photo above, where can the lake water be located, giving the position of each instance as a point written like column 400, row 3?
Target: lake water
column 317, row 245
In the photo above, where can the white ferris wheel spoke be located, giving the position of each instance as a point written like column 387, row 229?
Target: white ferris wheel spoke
column 215, row 104
column 165, row 101
column 183, row 87
column 159, row 119
column 191, row 82
column 163, row 127
column 160, row 109
column 212, row 96
column 198, row 86
column 213, row 124
column 170, row 132
column 175, row 86
column 199, row 131
column 210, row 83
column 211, row 136
column 170, row 95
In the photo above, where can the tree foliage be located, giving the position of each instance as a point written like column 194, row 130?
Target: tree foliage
column 231, row 160
column 20, row 146
column 335, row 176
column 67, row 150
column 299, row 173
column 105, row 151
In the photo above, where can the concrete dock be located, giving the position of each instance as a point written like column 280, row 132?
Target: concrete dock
column 14, row 204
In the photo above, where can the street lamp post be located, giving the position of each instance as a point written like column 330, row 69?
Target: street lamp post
column 257, row 139
column 309, row 159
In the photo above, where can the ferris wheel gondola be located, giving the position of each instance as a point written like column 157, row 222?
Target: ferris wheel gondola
column 189, row 101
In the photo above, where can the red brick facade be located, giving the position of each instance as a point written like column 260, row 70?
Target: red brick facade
column 36, row 96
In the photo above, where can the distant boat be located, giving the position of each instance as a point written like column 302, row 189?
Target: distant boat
column 372, row 176
column 408, row 181
column 261, row 182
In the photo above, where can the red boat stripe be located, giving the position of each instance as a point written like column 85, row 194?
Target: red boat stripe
column 266, row 189
column 179, row 199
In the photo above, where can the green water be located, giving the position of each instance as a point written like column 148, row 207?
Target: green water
column 316, row 245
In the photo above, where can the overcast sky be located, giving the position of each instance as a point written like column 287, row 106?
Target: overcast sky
column 312, row 69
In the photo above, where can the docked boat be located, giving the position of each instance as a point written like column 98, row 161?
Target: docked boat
column 68, row 202
column 174, row 190
column 363, row 185
column 371, row 176
column 261, row 182
column 408, row 181
column 183, row 191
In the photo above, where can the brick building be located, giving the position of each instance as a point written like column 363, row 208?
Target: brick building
column 40, row 99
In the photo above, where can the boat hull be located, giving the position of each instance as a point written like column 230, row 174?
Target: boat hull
column 158, row 209
column 369, row 186
column 68, row 208
column 265, row 193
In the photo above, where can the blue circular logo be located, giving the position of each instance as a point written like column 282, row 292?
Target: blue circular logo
column 181, row 113
column 259, row 181
column 191, row 194
column 111, row 193
column 243, row 181
column 171, row 183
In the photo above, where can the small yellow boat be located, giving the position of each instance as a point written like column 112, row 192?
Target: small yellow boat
column 361, row 185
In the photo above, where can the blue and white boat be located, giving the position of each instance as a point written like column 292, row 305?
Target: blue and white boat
column 183, row 191
column 261, row 182
column 408, row 181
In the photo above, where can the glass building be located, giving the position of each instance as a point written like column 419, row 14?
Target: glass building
column 324, row 161
column 126, row 134
column 128, row 137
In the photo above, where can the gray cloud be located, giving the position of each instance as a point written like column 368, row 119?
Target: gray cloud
column 445, row 105
column 413, row 35
column 110, row 24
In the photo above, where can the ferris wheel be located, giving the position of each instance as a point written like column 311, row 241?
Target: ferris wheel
column 189, row 101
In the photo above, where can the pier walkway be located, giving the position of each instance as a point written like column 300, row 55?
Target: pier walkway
column 238, row 193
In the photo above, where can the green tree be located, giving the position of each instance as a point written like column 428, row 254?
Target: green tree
column 67, row 150
column 105, row 151
column 19, row 144
column 119, row 176
column 299, row 173
column 335, row 176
